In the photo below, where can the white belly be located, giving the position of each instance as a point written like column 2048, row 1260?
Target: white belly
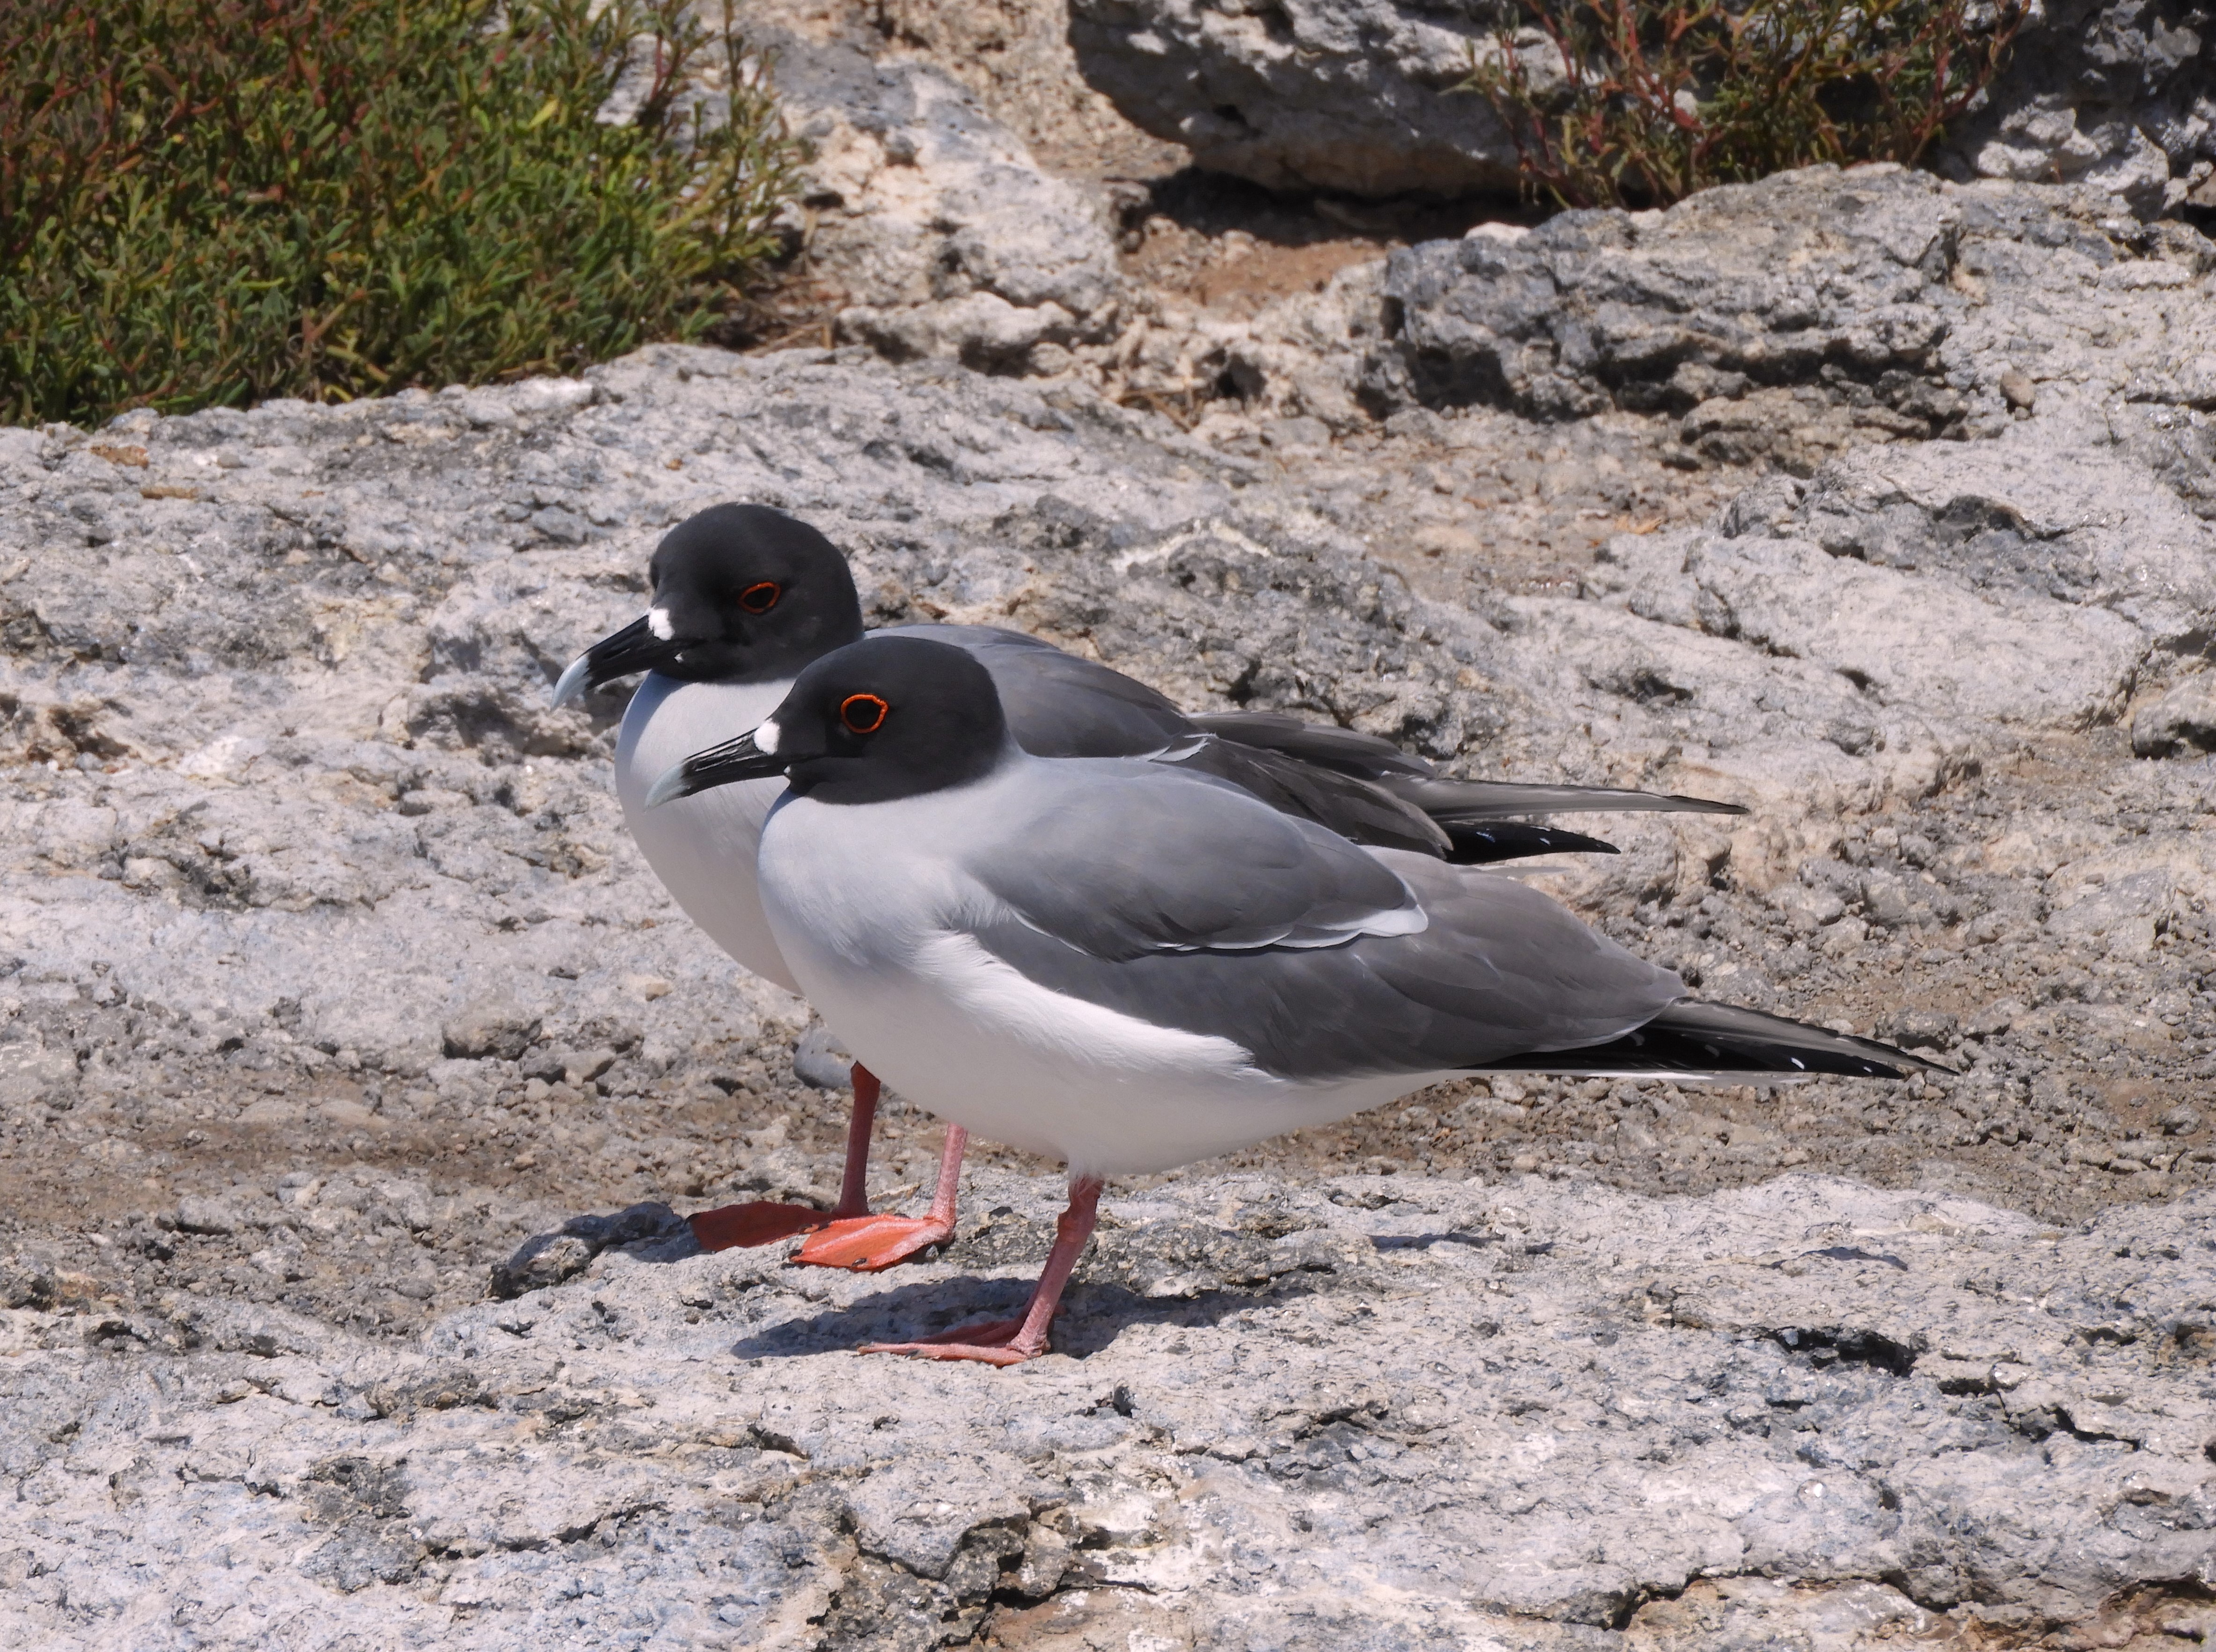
column 703, row 848
column 871, row 928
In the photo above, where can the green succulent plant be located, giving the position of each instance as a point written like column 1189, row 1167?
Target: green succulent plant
column 212, row 202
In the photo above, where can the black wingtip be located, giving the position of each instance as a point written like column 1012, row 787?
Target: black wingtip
column 1484, row 843
column 1690, row 1038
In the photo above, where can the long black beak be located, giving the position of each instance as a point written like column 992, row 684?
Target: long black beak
column 735, row 759
column 635, row 648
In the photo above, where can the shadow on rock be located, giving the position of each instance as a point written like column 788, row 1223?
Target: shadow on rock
column 1390, row 1241
column 1092, row 1316
column 651, row 1232
column 1174, row 1271
column 1210, row 203
column 1095, row 1315
column 909, row 1311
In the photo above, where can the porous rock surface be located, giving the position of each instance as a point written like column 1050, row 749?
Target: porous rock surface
column 1014, row 54
column 929, row 219
column 1356, row 96
column 1371, row 1413
column 351, row 1064
column 1886, row 298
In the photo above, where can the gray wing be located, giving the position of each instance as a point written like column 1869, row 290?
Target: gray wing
column 1417, row 786
column 1717, row 1040
column 1118, row 860
column 1324, row 745
column 1356, row 785
column 1338, row 802
column 1240, row 923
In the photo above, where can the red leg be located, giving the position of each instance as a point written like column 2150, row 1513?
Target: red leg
column 1012, row 1341
column 761, row 1221
column 869, row 1244
column 854, row 1186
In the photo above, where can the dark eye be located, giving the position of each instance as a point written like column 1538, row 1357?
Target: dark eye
column 863, row 713
column 762, row 598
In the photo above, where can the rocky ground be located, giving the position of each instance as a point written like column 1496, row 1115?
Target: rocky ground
column 1372, row 1412
column 352, row 1064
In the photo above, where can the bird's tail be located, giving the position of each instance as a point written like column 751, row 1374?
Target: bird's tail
column 1690, row 1039
column 1471, row 800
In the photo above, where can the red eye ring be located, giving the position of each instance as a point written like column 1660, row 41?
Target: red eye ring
column 762, row 597
column 872, row 709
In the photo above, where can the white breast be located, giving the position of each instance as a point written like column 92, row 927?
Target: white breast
column 703, row 848
column 871, row 910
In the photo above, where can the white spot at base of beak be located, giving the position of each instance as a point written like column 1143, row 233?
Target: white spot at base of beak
column 766, row 738
column 657, row 621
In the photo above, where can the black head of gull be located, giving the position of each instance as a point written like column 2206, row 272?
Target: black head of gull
column 882, row 720
column 741, row 593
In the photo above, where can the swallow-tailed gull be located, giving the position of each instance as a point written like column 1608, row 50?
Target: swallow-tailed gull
column 1129, row 965
column 745, row 596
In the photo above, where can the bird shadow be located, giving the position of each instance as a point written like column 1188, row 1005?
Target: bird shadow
column 1425, row 1241
column 1093, row 1313
column 1092, row 1316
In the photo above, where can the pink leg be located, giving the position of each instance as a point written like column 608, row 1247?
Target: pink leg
column 870, row 1244
column 1012, row 1341
column 761, row 1221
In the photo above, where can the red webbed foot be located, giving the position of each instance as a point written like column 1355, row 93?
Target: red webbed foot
column 869, row 1244
column 763, row 1222
column 991, row 1341
column 757, row 1222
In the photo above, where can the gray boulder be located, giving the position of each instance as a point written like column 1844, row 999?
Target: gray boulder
column 291, row 800
column 1815, row 310
column 2182, row 720
column 2119, row 95
column 197, row 1214
column 1983, row 586
column 489, row 1027
column 286, row 805
column 1353, row 95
